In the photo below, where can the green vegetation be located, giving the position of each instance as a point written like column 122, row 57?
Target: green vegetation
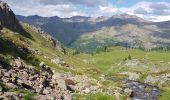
column 165, row 95
column 98, row 96
column 27, row 94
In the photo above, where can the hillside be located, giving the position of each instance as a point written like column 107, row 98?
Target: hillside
column 96, row 33
column 35, row 66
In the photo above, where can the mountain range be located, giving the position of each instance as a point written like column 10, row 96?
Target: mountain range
column 88, row 34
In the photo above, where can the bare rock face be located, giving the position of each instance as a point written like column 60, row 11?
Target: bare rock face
column 7, row 18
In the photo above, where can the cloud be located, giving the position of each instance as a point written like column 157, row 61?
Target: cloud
column 153, row 11
column 89, row 3
column 35, row 7
column 106, row 10
column 140, row 11
column 160, row 6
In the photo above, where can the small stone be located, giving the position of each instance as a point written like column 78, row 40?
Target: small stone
column 11, row 85
column 45, row 91
column 87, row 90
column 129, row 91
column 34, row 78
column 42, row 64
column 7, row 74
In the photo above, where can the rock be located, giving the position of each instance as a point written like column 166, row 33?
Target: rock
column 8, row 18
column 19, row 63
column 1, row 89
column 87, row 90
column 65, row 97
column 129, row 92
column 7, row 74
column 26, row 86
column 132, row 76
column 11, row 85
column 56, row 76
column 42, row 64
column 71, row 88
column 34, row 78
column 69, row 82
column 56, row 60
column 19, row 81
column 61, row 84
column 45, row 83
column 45, row 91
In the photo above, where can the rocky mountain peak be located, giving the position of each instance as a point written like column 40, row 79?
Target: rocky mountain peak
column 125, row 16
column 7, row 18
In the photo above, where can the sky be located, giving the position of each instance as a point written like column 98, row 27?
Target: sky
column 153, row 10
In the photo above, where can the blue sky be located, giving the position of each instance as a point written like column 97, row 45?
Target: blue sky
column 153, row 10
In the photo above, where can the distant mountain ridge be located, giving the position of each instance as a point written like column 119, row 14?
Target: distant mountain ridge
column 82, row 32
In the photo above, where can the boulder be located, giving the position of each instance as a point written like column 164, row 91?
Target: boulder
column 42, row 64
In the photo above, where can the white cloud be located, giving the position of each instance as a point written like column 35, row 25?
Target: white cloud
column 36, row 8
column 154, row 11
column 106, row 10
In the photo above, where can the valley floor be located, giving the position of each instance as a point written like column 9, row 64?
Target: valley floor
column 116, row 74
column 148, row 68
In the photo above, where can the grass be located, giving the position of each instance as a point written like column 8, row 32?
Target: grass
column 98, row 96
column 165, row 95
column 27, row 95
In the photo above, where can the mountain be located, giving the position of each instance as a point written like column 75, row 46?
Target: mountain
column 88, row 34
column 64, row 29
column 165, row 24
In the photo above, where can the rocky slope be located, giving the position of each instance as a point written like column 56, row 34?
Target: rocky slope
column 20, row 76
column 8, row 19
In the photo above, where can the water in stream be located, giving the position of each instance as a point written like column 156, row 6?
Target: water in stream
column 142, row 91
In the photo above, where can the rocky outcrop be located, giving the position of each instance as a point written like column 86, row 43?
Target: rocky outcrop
column 20, row 76
column 7, row 18
column 46, row 83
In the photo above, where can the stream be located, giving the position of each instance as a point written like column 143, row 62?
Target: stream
column 140, row 91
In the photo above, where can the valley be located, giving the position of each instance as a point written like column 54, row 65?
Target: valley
column 122, row 57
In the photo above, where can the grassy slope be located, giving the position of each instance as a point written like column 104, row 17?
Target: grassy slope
column 109, row 63
column 10, row 41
